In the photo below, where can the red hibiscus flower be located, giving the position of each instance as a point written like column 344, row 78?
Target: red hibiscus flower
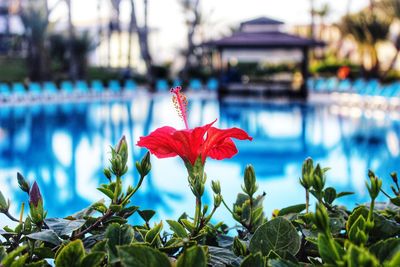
column 190, row 144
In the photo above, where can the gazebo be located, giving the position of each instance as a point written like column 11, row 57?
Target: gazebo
column 262, row 40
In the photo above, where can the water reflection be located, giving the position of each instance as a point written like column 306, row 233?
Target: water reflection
column 65, row 147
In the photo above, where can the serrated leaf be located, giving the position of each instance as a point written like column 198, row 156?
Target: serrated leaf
column 139, row 256
column 193, row 256
column 146, row 214
column 100, row 246
column 71, row 255
column 178, row 229
column 118, row 235
column 278, row 235
column 47, row 236
column 64, row 227
column 292, row 209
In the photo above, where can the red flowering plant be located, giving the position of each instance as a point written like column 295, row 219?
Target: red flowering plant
column 194, row 146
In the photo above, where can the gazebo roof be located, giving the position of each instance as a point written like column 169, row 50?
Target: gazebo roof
column 274, row 39
column 262, row 21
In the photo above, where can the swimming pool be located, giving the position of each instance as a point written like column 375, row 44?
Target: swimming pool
column 65, row 147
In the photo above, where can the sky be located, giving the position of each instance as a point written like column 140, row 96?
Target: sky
column 167, row 20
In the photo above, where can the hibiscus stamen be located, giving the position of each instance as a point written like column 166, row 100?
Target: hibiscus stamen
column 180, row 103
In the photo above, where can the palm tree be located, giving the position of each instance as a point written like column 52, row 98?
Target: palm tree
column 367, row 29
column 73, row 68
column 114, row 25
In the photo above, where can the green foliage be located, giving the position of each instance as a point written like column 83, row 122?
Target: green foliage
column 295, row 236
column 138, row 256
column 278, row 236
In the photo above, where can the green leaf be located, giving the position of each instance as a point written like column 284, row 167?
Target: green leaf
column 385, row 250
column 71, row 255
column 93, row 259
column 47, row 236
column 281, row 263
column 254, row 260
column 292, row 209
column 146, row 214
column 329, row 195
column 20, row 262
column 106, row 192
column 10, row 258
column 357, row 233
column 342, row 194
column 41, row 263
column 152, row 234
column 100, row 246
column 193, row 256
column 188, row 225
column 44, row 252
column 64, row 227
column 359, row 211
column 394, row 262
column 395, row 201
column 222, row 257
column 278, row 235
column 2, row 253
column 118, row 235
column 325, row 251
column 139, row 256
column 178, row 229
column 360, row 256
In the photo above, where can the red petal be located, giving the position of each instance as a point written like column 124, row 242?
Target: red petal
column 189, row 142
column 225, row 150
column 160, row 142
column 217, row 137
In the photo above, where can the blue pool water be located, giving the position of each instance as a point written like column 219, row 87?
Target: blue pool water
column 64, row 147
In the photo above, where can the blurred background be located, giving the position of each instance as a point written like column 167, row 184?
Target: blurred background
column 305, row 78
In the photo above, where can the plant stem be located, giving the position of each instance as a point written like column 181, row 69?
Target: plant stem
column 371, row 210
column 10, row 216
column 386, row 194
column 307, row 200
column 197, row 215
column 134, row 190
column 108, row 214
column 117, row 190
column 226, row 206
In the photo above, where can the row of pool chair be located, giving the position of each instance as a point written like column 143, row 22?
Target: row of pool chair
column 362, row 93
column 81, row 90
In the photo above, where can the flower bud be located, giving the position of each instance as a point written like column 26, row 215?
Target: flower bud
column 394, row 177
column 307, row 173
column 250, row 186
column 217, row 200
column 375, row 185
column 319, row 179
column 107, row 173
column 4, row 205
column 145, row 165
column 239, row 247
column 36, row 204
column 216, row 187
column 22, row 183
column 321, row 218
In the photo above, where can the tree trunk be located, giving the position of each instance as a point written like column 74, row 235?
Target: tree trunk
column 190, row 48
column 73, row 68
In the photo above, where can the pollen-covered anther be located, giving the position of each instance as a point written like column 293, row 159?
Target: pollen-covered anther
column 180, row 103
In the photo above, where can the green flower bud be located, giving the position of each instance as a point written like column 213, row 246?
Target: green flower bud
column 4, row 204
column 319, row 179
column 122, row 150
column 250, row 186
column 321, row 218
column 22, row 183
column 107, row 173
column 239, row 247
column 145, row 165
column 307, row 173
column 216, row 187
column 217, row 200
column 375, row 185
